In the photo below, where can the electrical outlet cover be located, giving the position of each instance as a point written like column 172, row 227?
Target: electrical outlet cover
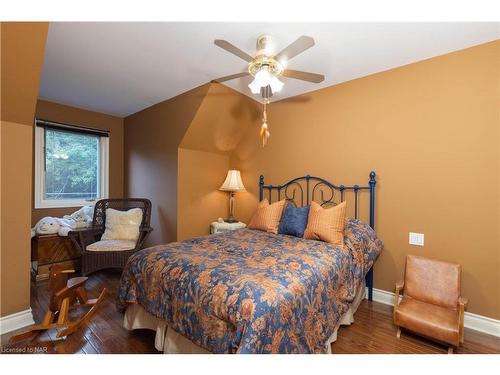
column 416, row 239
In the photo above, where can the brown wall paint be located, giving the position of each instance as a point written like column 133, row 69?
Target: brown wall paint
column 199, row 200
column 215, row 131
column 160, row 167
column 152, row 137
column 22, row 51
column 431, row 132
column 76, row 116
column 16, row 188
column 23, row 45
column 221, row 120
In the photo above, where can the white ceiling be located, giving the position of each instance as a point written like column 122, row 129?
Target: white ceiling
column 122, row 68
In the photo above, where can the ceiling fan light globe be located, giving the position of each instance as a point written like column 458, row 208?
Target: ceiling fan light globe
column 254, row 87
column 263, row 77
column 276, row 84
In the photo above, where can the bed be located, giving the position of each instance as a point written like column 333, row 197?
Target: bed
column 248, row 291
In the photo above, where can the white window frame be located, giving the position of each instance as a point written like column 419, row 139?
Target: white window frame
column 103, row 177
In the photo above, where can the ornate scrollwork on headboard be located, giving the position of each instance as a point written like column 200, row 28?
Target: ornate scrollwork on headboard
column 305, row 189
column 321, row 187
column 293, row 187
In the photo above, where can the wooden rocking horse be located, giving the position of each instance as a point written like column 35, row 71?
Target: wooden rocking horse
column 65, row 294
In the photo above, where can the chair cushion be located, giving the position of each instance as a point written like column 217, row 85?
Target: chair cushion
column 432, row 281
column 294, row 220
column 267, row 217
column 111, row 245
column 429, row 320
column 122, row 225
column 326, row 224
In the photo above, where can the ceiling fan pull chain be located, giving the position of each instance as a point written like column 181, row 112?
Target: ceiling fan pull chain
column 264, row 131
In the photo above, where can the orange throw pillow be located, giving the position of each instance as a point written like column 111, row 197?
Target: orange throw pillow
column 326, row 224
column 268, row 216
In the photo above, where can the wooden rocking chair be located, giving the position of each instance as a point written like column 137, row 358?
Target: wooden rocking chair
column 65, row 294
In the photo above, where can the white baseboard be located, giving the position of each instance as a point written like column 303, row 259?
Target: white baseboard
column 15, row 321
column 472, row 321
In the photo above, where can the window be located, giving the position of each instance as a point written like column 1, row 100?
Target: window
column 71, row 165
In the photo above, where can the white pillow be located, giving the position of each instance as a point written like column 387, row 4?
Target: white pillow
column 122, row 225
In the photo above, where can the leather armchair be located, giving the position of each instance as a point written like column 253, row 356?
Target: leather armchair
column 431, row 304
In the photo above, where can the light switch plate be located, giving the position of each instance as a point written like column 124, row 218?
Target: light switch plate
column 416, row 239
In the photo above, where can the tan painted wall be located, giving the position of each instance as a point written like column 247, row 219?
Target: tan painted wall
column 199, row 200
column 76, row 116
column 215, row 132
column 431, row 132
column 21, row 68
column 22, row 48
column 152, row 137
column 221, row 120
column 16, row 188
column 160, row 167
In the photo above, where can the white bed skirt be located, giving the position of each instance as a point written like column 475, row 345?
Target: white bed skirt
column 169, row 341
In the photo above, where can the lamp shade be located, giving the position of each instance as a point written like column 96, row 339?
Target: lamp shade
column 233, row 181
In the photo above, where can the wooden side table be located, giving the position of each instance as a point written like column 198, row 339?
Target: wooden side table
column 50, row 249
column 217, row 227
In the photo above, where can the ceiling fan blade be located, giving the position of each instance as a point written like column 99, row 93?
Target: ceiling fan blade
column 224, row 44
column 304, row 76
column 299, row 46
column 232, row 76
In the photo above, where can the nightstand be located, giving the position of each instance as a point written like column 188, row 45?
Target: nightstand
column 218, row 227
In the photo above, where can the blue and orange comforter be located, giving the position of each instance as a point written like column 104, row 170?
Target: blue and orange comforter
column 248, row 291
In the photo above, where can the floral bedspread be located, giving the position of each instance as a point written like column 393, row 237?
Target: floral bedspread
column 248, row 291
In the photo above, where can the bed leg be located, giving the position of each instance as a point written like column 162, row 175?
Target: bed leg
column 369, row 283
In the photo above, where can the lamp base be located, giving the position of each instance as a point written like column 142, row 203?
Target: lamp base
column 231, row 220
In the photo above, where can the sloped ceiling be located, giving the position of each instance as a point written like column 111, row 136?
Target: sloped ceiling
column 221, row 120
column 121, row 68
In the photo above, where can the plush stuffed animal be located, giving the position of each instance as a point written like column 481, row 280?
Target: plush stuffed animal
column 82, row 218
column 65, row 226
column 47, row 225
column 52, row 225
column 89, row 212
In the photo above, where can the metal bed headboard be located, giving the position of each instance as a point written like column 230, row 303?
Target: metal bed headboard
column 306, row 189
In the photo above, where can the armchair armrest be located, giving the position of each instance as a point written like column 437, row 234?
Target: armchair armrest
column 143, row 235
column 463, row 301
column 81, row 238
column 399, row 288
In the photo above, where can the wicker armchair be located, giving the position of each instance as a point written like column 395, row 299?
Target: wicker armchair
column 97, row 260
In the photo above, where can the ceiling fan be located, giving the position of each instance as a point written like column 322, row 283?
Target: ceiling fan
column 267, row 66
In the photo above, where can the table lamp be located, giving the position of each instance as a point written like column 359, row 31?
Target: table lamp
column 232, row 184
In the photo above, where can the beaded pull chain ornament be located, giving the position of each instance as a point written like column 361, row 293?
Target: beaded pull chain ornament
column 264, row 131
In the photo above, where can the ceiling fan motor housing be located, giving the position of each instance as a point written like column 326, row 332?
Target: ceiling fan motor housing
column 264, row 45
column 265, row 58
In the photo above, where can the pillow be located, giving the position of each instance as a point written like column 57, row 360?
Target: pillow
column 267, row 217
column 326, row 224
column 122, row 225
column 294, row 220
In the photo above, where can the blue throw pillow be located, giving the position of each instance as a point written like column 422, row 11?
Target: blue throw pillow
column 294, row 221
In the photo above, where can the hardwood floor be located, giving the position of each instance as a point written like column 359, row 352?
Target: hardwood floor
column 372, row 331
